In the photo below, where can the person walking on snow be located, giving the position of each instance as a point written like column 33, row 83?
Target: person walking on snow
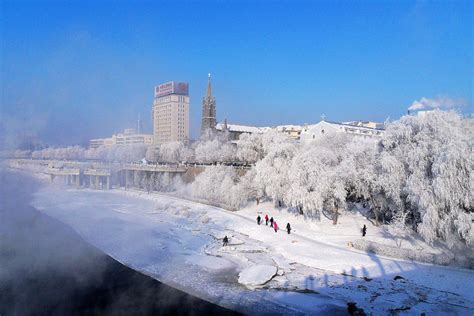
column 225, row 241
column 266, row 219
column 288, row 228
column 275, row 226
column 271, row 221
column 364, row 230
column 258, row 219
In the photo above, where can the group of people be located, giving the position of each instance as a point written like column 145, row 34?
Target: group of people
column 275, row 226
column 273, row 223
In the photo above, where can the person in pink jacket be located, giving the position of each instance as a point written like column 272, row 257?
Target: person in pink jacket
column 275, row 226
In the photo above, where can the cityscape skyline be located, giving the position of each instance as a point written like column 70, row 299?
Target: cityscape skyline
column 271, row 65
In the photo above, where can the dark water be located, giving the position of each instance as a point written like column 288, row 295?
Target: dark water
column 47, row 269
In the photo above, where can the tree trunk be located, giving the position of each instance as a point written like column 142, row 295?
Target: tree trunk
column 336, row 214
column 376, row 212
column 258, row 201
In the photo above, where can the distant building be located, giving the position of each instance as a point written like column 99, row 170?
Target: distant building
column 128, row 137
column 292, row 131
column 208, row 109
column 235, row 130
column 170, row 112
column 369, row 124
column 312, row 132
column 307, row 132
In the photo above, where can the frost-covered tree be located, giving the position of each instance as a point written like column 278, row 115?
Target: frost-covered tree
column 219, row 185
column 151, row 153
column 155, row 181
column 427, row 162
column 272, row 170
column 171, row 152
column 250, row 187
column 398, row 228
column 137, row 179
column 214, row 148
column 318, row 178
column 249, row 148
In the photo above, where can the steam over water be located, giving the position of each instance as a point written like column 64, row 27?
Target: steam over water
column 47, row 269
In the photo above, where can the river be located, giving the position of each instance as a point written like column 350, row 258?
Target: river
column 46, row 268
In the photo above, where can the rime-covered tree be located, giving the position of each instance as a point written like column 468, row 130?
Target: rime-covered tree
column 318, row 178
column 219, row 185
column 249, row 148
column 214, row 149
column 272, row 170
column 427, row 164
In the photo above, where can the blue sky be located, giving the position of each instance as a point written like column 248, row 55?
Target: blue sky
column 76, row 70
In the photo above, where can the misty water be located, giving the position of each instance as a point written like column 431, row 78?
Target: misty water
column 48, row 269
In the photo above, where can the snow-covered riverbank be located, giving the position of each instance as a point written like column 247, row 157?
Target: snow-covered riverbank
column 180, row 243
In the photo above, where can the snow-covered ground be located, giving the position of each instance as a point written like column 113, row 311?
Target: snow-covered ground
column 312, row 270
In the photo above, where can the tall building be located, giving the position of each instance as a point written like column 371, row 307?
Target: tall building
column 208, row 109
column 170, row 112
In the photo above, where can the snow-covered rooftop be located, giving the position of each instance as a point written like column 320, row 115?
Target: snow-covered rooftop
column 239, row 128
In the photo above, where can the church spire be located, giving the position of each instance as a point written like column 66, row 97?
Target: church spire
column 208, row 109
column 209, row 88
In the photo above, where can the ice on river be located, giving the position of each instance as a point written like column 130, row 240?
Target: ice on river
column 179, row 242
column 257, row 275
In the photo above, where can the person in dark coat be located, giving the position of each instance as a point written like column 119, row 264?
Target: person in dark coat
column 288, row 228
column 266, row 219
column 271, row 221
column 258, row 219
column 364, row 230
column 225, row 241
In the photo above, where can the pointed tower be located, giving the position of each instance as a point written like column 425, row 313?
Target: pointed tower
column 208, row 109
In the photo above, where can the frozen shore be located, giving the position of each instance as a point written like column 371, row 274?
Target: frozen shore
column 47, row 269
column 180, row 243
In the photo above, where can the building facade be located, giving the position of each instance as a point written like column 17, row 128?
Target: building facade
column 170, row 112
column 306, row 133
column 128, row 137
column 208, row 109
column 313, row 132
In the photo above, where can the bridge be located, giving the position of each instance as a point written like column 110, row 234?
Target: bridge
column 101, row 175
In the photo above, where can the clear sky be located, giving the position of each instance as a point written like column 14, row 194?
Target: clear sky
column 71, row 71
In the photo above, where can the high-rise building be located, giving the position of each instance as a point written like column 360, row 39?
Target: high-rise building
column 171, row 112
column 208, row 109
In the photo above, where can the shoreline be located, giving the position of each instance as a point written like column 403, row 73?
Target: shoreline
column 147, row 212
column 48, row 269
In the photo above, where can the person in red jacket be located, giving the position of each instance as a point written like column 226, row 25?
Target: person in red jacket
column 275, row 226
column 266, row 219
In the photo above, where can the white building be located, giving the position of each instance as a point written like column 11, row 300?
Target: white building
column 312, row 132
column 370, row 124
column 128, row 137
column 170, row 112
column 308, row 132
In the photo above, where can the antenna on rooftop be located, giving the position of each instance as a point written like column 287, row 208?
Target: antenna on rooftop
column 323, row 117
column 139, row 125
